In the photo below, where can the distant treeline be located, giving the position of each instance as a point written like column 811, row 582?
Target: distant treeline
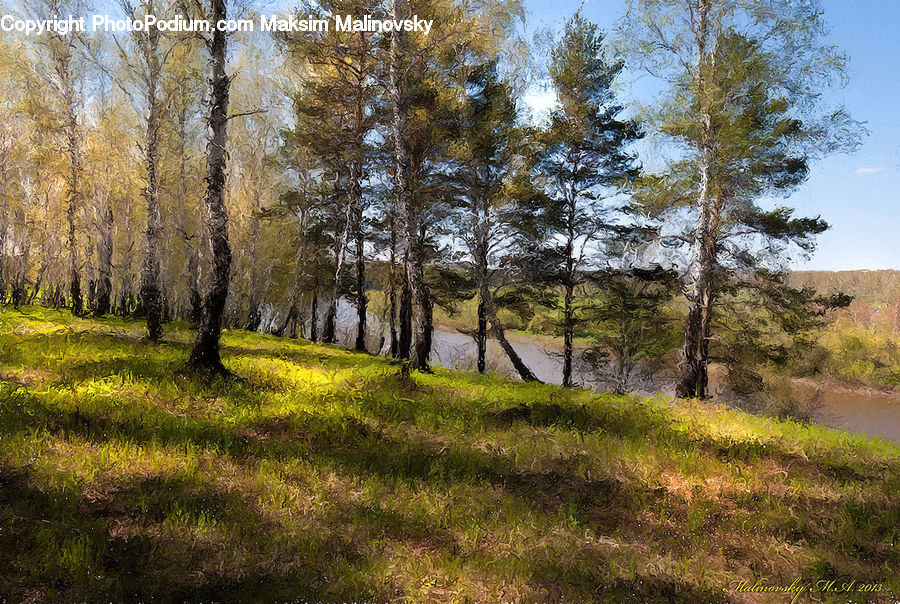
column 881, row 286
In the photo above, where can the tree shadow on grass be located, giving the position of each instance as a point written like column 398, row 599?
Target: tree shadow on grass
column 363, row 451
column 58, row 544
column 238, row 390
column 607, row 504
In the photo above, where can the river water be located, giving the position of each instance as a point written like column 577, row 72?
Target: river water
column 871, row 412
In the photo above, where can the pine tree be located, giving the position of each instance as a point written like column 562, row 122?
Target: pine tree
column 487, row 153
column 584, row 162
column 333, row 120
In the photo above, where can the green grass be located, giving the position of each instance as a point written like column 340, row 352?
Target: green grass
column 316, row 475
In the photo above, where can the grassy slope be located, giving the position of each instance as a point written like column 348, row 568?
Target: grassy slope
column 316, row 476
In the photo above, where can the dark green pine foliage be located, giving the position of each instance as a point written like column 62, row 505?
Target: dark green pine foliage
column 583, row 161
column 634, row 331
column 763, row 321
column 761, row 152
column 486, row 155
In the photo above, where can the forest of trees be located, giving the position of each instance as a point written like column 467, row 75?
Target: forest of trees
column 253, row 180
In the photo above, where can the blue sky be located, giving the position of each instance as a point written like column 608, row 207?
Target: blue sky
column 858, row 194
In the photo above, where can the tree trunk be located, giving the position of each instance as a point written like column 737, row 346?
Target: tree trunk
column 253, row 313
column 104, row 259
column 356, row 196
column 88, row 270
column 395, row 344
column 150, row 269
column 421, row 303
column 194, row 301
column 497, row 331
column 4, row 229
column 19, row 293
column 361, row 300
column 404, row 344
column 206, row 349
column 288, row 319
column 329, row 333
column 314, row 313
column 693, row 375
column 569, row 285
column 693, row 370
column 568, row 336
column 424, row 351
column 72, row 185
column 480, row 234
column 415, row 274
column 481, row 336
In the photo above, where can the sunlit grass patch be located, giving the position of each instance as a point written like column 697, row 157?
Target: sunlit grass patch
column 316, row 473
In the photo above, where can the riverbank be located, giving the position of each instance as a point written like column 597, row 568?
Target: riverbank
column 874, row 412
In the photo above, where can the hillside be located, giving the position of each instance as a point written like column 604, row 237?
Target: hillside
column 316, row 475
column 864, row 285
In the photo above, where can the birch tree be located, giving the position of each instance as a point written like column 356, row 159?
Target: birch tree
column 63, row 77
column 743, row 104
column 205, row 355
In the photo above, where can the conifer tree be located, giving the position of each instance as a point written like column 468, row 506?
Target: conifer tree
column 334, row 117
column 487, row 151
column 584, row 162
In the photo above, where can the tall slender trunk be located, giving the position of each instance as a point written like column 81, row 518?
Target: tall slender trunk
column 206, row 349
column 359, row 236
column 568, row 336
column 395, row 344
column 253, row 313
column 104, row 259
column 356, row 195
column 329, row 333
column 479, row 232
column 292, row 322
column 194, row 301
column 569, row 286
column 425, row 329
column 486, row 311
column 150, row 268
column 103, row 292
column 4, row 228
column 421, row 303
column 693, row 370
column 314, row 312
column 20, row 282
column 64, row 67
column 415, row 274
column 481, row 336
column 497, row 331
column 423, row 350
column 299, row 264
column 89, row 271
column 404, row 344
